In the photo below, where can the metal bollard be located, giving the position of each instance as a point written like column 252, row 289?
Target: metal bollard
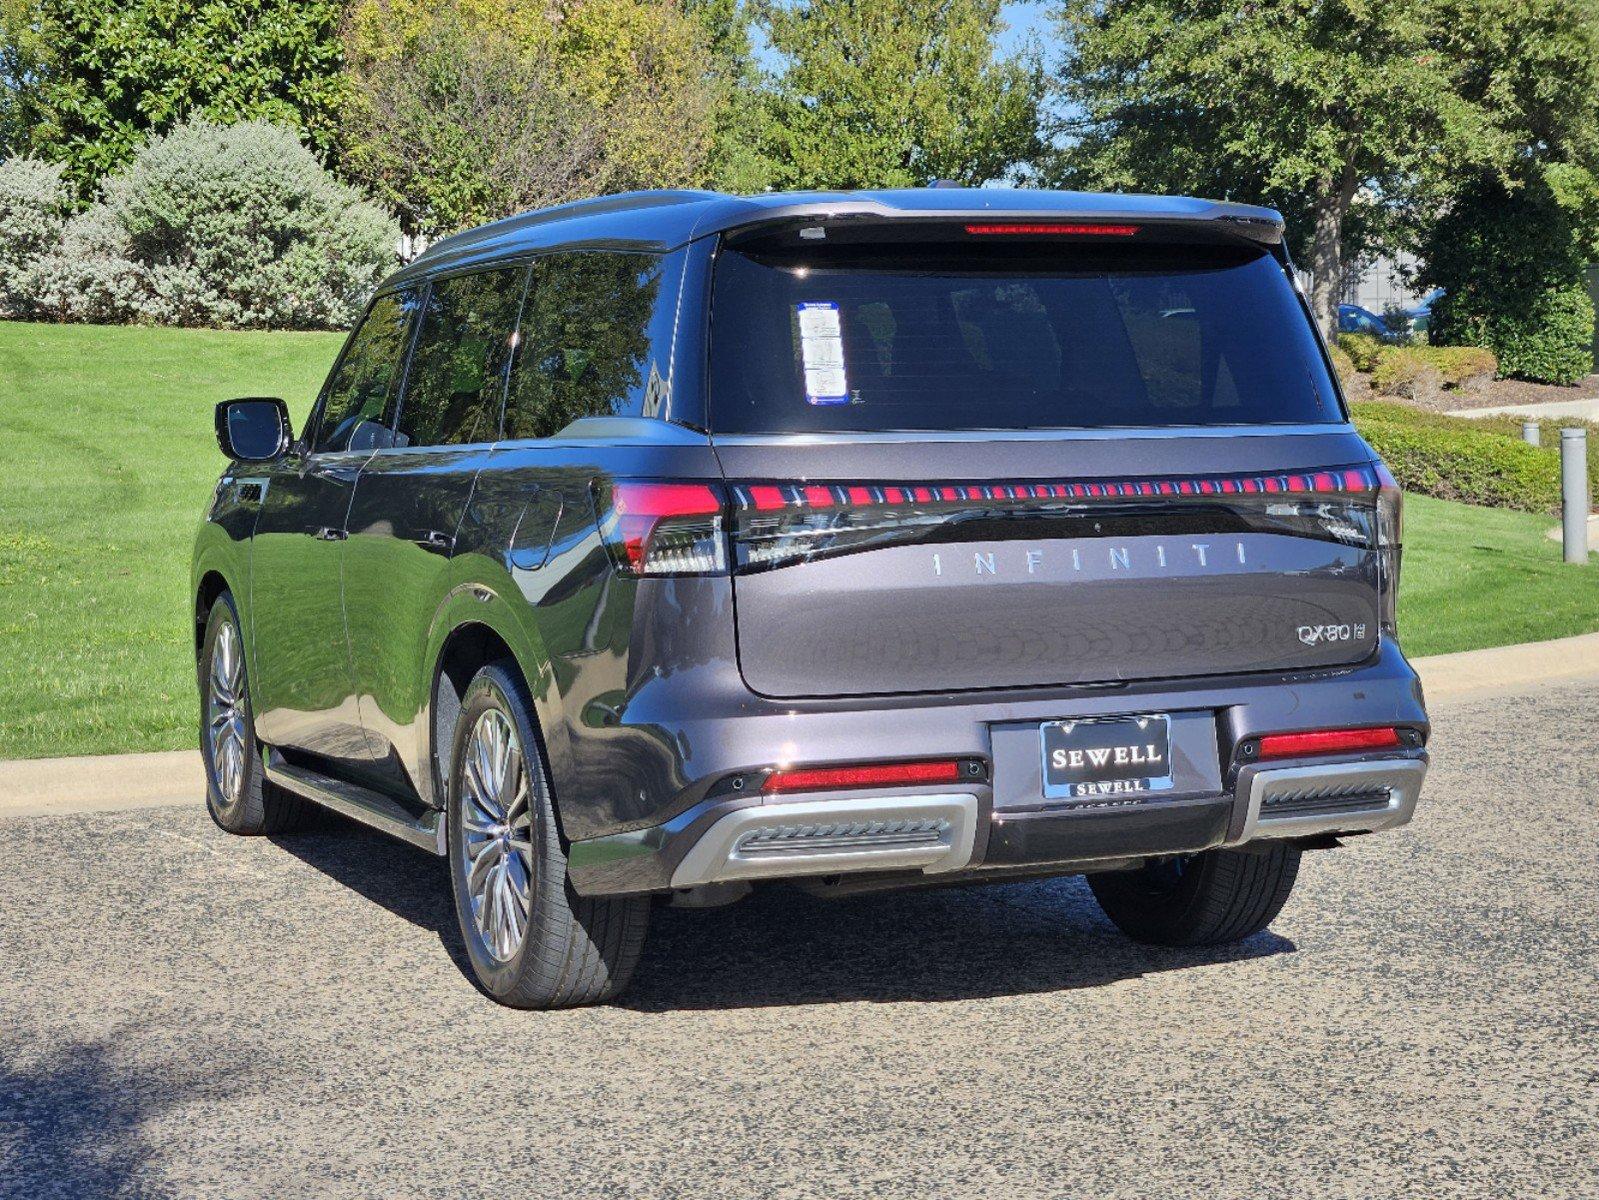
column 1529, row 433
column 1574, row 493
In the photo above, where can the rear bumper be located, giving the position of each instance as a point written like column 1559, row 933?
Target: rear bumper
column 1015, row 829
column 957, row 835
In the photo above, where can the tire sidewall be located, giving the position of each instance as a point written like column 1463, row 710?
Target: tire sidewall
column 225, row 814
column 495, row 688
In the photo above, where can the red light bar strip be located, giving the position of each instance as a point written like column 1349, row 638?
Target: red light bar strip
column 1043, row 229
column 1328, row 741
column 815, row 779
column 775, row 497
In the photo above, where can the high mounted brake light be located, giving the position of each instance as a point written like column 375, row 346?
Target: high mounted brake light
column 664, row 528
column 1052, row 229
column 1328, row 741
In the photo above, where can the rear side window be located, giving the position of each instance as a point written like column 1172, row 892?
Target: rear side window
column 596, row 339
column 457, row 376
column 949, row 338
column 362, row 387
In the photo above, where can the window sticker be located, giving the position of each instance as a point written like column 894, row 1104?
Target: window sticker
column 822, row 352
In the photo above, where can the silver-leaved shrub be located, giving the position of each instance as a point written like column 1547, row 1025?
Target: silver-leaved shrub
column 34, row 202
column 226, row 226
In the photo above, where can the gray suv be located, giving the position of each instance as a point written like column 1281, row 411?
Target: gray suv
column 653, row 548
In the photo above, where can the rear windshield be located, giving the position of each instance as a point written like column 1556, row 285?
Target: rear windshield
column 1021, row 337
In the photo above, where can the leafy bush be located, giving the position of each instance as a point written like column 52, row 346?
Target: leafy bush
column 1418, row 372
column 1512, row 263
column 1403, row 371
column 33, row 208
column 1457, row 458
column 232, row 226
column 1466, row 368
column 1548, row 337
column 1343, row 365
column 1362, row 349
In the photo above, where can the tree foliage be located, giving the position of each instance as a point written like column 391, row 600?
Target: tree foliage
column 467, row 110
column 1351, row 116
column 1509, row 249
column 94, row 78
column 896, row 95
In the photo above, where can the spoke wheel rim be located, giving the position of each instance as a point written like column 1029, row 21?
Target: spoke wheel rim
column 496, row 842
column 225, row 728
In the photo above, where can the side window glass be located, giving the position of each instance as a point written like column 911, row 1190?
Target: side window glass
column 457, row 377
column 596, row 340
column 363, row 384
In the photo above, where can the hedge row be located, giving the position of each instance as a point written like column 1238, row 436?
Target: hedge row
column 1475, row 461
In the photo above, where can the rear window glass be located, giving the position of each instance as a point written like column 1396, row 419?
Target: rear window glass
column 1033, row 337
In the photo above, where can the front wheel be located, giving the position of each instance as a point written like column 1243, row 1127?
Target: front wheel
column 238, row 795
column 533, row 941
column 1200, row 899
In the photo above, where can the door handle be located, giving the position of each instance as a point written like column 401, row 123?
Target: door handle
column 329, row 534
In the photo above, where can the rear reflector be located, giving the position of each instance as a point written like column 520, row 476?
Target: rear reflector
column 1045, row 229
column 815, row 779
column 1328, row 741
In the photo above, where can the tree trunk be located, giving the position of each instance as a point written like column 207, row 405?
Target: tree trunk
column 1327, row 249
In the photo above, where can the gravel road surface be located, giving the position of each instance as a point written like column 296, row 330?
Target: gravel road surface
column 187, row 1014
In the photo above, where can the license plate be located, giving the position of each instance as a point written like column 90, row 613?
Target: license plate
column 1107, row 756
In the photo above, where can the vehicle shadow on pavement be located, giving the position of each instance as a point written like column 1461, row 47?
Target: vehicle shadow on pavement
column 781, row 946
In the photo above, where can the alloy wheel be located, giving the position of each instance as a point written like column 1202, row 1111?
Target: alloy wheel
column 496, row 843
column 225, row 725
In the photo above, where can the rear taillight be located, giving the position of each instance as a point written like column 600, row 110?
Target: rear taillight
column 1328, row 741
column 1390, row 521
column 1051, row 229
column 663, row 528
column 780, row 524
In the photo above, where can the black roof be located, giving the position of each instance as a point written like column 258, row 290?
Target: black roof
column 662, row 220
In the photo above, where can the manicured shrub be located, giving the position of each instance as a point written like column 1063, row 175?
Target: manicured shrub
column 34, row 201
column 1458, row 458
column 1464, row 368
column 1403, row 371
column 1362, row 349
column 233, row 226
column 1343, row 365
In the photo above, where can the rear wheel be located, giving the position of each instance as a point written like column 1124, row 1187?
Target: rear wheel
column 1200, row 899
column 238, row 794
column 533, row 941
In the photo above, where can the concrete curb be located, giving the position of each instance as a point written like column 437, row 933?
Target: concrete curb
column 110, row 783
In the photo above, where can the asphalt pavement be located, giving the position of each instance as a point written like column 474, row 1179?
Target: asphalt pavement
column 183, row 1013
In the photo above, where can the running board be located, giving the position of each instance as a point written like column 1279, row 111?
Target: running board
column 359, row 804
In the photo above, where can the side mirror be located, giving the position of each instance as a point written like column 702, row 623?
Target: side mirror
column 254, row 429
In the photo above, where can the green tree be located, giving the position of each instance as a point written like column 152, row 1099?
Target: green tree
column 737, row 161
column 1509, row 249
column 466, row 110
column 1351, row 116
column 102, row 75
column 896, row 93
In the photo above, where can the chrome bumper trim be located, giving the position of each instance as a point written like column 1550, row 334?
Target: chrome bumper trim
column 825, row 837
column 1350, row 797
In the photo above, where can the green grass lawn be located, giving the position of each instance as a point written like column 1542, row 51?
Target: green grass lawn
column 1477, row 577
column 107, row 459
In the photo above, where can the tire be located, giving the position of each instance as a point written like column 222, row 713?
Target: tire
column 1202, row 899
column 533, row 941
column 238, row 794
